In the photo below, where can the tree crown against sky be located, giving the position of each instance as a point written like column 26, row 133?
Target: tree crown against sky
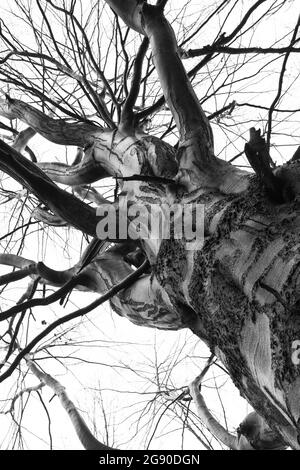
column 71, row 70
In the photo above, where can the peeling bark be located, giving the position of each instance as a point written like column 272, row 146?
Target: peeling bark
column 60, row 202
column 252, row 434
column 241, row 289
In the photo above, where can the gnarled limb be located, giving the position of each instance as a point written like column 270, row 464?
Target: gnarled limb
column 116, row 153
column 134, row 153
column 198, row 166
column 74, row 211
column 85, row 172
column 221, row 40
column 31, row 268
column 20, row 138
column 93, row 264
column 67, row 206
column 107, row 152
column 178, row 91
column 57, row 131
column 143, row 302
column 26, row 268
column 17, row 275
column 253, row 433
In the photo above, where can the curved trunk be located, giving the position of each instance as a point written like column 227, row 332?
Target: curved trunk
column 239, row 291
column 243, row 286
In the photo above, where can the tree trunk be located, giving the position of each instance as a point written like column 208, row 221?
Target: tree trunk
column 240, row 291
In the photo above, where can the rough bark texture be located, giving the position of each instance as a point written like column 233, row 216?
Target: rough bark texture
column 84, row 434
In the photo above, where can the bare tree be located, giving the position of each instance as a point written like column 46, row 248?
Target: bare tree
column 133, row 112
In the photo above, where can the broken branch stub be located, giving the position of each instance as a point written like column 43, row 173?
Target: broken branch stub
column 258, row 156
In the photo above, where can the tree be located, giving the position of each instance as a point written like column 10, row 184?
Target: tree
column 238, row 289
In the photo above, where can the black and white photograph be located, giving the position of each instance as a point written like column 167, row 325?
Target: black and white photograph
column 149, row 229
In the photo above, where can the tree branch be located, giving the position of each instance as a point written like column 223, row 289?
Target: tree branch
column 17, row 275
column 195, row 153
column 221, row 41
column 258, row 156
column 280, row 83
column 206, row 416
column 127, row 112
column 22, row 139
column 46, row 217
column 129, row 11
column 57, row 131
column 67, row 206
column 128, row 281
column 87, row 171
column 84, row 434
column 215, row 48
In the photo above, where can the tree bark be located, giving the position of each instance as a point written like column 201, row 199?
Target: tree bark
column 242, row 287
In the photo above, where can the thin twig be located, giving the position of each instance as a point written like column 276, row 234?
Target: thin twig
column 280, row 83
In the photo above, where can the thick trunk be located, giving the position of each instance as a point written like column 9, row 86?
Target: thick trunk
column 84, row 434
column 240, row 291
column 243, row 286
